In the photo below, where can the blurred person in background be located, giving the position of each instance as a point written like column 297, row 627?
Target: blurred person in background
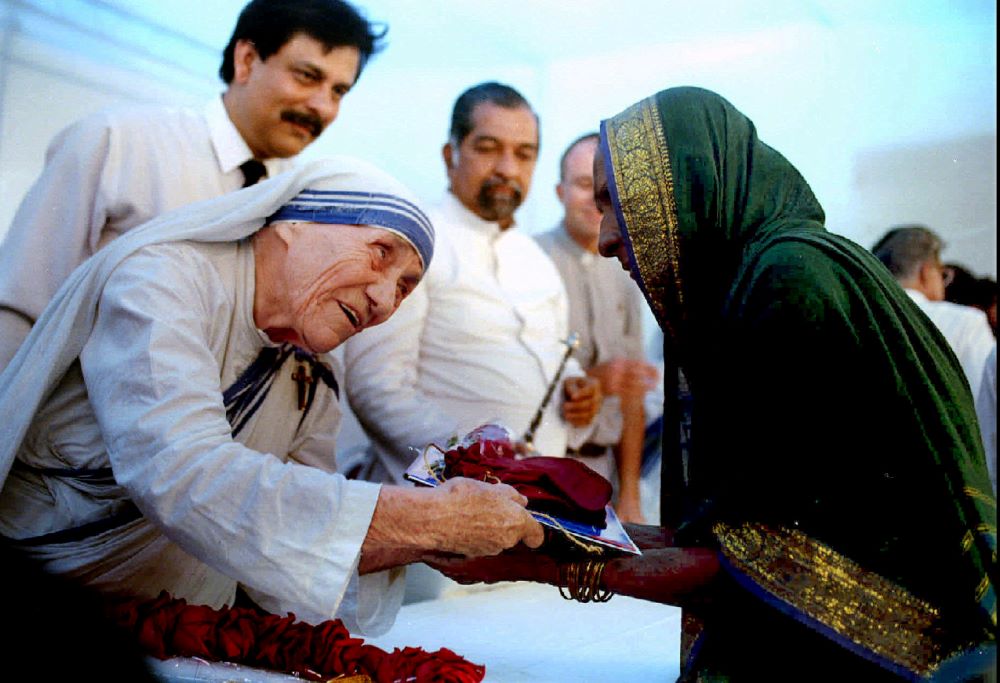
column 605, row 309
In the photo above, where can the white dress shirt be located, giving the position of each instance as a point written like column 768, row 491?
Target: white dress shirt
column 478, row 340
column 986, row 411
column 103, row 175
column 967, row 330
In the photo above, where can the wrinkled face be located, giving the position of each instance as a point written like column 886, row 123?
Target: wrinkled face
column 341, row 279
column 576, row 192
column 282, row 104
column 611, row 243
column 490, row 170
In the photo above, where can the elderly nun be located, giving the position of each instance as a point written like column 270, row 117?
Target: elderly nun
column 170, row 422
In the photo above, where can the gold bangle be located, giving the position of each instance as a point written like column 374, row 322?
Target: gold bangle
column 599, row 594
column 583, row 581
column 568, row 577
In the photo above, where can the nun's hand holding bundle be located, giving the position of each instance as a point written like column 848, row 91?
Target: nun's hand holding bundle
column 461, row 517
column 480, row 518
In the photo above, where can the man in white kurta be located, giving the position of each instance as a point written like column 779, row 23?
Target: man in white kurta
column 116, row 169
column 912, row 253
column 480, row 340
column 967, row 330
column 483, row 337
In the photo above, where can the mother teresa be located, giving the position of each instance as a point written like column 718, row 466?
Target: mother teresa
column 170, row 422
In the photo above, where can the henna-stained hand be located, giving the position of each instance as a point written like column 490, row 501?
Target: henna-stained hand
column 517, row 564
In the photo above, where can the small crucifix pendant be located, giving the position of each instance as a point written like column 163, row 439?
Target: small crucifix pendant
column 302, row 378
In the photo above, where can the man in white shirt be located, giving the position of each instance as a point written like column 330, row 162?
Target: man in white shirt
column 986, row 411
column 912, row 253
column 287, row 67
column 483, row 337
column 606, row 311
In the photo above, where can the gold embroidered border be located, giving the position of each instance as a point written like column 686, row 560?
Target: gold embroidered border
column 644, row 180
column 857, row 604
column 973, row 492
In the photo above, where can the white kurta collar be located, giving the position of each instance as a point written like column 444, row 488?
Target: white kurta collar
column 585, row 257
column 456, row 210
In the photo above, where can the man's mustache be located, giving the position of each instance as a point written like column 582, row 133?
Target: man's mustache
column 310, row 121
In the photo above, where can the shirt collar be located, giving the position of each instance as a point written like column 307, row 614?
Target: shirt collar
column 573, row 247
column 231, row 149
column 917, row 296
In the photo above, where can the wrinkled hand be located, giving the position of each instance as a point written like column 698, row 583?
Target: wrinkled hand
column 622, row 376
column 517, row 564
column 483, row 519
column 582, row 399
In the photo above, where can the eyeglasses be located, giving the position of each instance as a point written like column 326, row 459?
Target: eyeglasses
column 947, row 275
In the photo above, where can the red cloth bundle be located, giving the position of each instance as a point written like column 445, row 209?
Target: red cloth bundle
column 561, row 487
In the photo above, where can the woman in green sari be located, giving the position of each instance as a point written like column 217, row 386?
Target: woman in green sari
column 835, row 477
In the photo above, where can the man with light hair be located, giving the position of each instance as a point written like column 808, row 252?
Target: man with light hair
column 605, row 310
column 912, row 253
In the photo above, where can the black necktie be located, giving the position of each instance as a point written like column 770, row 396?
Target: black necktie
column 253, row 171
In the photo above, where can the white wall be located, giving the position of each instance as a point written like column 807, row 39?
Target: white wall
column 889, row 122
column 56, row 66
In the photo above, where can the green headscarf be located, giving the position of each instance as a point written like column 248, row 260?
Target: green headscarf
column 835, row 454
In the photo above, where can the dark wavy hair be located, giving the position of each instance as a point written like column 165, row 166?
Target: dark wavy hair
column 269, row 24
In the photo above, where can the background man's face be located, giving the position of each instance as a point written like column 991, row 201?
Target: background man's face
column 286, row 101
column 490, row 170
column 576, row 192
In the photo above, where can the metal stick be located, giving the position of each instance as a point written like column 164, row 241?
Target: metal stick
column 571, row 342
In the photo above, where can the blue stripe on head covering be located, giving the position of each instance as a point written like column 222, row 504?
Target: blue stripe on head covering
column 387, row 211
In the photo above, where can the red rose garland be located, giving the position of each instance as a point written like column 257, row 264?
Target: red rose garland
column 169, row 627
